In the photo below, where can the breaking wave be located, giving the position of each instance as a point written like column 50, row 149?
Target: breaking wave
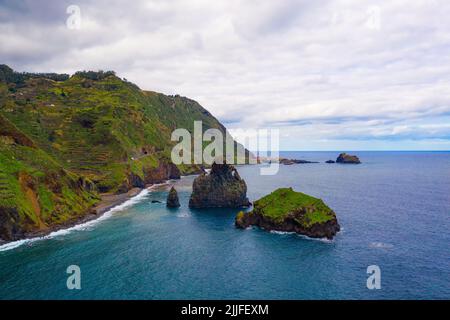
column 82, row 226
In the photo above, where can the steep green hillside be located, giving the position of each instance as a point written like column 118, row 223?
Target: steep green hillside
column 64, row 140
column 36, row 193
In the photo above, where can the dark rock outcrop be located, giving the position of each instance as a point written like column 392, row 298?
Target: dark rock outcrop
column 325, row 230
column 9, row 228
column 172, row 199
column 135, row 181
column 330, row 161
column 173, row 172
column 163, row 172
column 289, row 211
column 294, row 161
column 221, row 188
column 347, row 158
column 132, row 181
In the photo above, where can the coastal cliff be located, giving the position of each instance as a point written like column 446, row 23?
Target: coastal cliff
column 290, row 211
column 67, row 141
column 221, row 188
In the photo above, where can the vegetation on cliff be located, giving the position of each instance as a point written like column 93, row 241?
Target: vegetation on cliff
column 35, row 191
column 64, row 140
column 287, row 210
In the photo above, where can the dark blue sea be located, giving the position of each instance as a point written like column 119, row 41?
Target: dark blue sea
column 394, row 210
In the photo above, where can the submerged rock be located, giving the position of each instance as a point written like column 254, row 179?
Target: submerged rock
column 222, row 187
column 172, row 199
column 347, row 158
column 290, row 211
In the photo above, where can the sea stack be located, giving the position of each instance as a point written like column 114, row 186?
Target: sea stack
column 290, row 211
column 346, row 158
column 221, row 188
column 172, row 199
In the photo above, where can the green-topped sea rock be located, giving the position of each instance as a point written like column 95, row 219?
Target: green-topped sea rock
column 291, row 211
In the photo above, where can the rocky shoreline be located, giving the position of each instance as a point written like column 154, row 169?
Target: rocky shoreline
column 213, row 190
column 107, row 202
column 60, row 152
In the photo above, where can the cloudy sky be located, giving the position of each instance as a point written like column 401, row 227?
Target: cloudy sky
column 330, row 75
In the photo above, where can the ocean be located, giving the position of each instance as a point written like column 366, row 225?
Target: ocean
column 394, row 210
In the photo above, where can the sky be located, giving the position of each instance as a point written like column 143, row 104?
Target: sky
column 329, row 75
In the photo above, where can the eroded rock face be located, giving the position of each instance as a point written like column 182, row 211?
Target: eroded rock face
column 326, row 229
column 221, row 188
column 172, row 199
column 347, row 158
column 163, row 172
column 9, row 224
column 173, row 171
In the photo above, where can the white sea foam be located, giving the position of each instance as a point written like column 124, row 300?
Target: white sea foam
column 380, row 245
column 83, row 226
column 159, row 185
column 281, row 232
column 325, row 240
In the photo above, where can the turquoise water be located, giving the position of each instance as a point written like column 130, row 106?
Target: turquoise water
column 394, row 210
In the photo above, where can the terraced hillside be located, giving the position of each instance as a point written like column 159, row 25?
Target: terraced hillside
column 64, row 140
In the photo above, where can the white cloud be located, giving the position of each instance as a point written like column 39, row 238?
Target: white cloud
column 333, row 71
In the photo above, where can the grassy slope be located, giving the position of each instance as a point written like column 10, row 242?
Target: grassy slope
column 96, row 127
column 278, row 204
column 100, row 130
column 35, row 186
